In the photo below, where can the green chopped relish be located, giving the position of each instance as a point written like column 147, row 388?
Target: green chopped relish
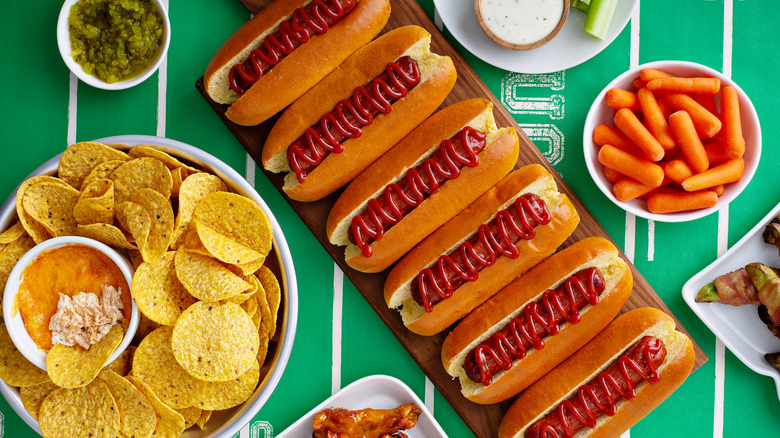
column 116, row 40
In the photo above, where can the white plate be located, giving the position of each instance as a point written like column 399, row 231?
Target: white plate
column 571, row 47
column 229, row 422
column 739, row 328
column 378, row 392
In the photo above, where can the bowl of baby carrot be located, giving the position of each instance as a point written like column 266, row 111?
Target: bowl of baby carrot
column 672, row 141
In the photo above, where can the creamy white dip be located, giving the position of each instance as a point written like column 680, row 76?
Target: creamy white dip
column 521, row 21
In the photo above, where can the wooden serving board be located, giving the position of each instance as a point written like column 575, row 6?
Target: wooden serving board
column 483, row 420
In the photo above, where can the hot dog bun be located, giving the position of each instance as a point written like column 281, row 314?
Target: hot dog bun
column 496, row 313
column 530, row 179
column 564, row 381
column 299, row 70
column 495, row 161
column 437, row 77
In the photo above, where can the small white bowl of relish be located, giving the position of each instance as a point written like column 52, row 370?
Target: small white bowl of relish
column 113, row 44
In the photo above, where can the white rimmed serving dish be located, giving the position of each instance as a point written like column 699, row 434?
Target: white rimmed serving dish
column 377, row 392
column 600, row 112
column 739, row 327
column 222, row 423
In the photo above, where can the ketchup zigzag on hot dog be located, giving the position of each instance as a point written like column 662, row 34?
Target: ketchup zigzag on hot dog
column 632, row 366
column 510, row 228
column 286, row 49
column 357, row 113
column 537, row 321
column 436, row 171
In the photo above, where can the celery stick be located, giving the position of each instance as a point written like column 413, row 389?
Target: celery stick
column 599, row 16
column 582, row 6
column 574, row 3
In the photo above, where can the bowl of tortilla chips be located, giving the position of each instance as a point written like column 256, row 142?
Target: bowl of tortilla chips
column 211, row 264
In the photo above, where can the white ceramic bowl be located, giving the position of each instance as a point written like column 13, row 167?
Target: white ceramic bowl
column 229, row 422
column 601, row 113
column 15, row 325
column 63, row 41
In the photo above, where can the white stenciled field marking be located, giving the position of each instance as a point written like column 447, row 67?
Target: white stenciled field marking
column 546, row 134
column 259, row 429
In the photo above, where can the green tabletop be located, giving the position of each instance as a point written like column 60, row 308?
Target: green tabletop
column 44, row 109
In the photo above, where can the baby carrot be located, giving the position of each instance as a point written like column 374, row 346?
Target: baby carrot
column 677, row 170
column 706, row 123
column 686, row 85
column 707, row 101
column 648, row 74
column 628, row 123
column 612, row 175
column 605, row 134
column 628, row 188
column 641, row 170
column 716, row 152
column 638, row 83
column 617, row 98
column 732, row 137
column 724, row 173
column 654, row 118
column 690, row 144
column 665, row 108
column 671, row 202
column 719, row 189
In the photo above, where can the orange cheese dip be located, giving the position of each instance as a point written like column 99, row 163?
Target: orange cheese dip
column 69, row 270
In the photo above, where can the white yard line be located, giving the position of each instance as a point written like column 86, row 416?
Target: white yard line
column 722, row 240
column 338, row 306
column 73, row 87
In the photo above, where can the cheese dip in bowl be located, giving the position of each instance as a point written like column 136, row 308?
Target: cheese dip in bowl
column 521, row 24
column 58, row 278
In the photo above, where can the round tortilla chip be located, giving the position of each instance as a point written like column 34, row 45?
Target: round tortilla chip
column 13, row 233
column 105, row 233
column 32, row 396
column 79, row 159
column 10, row 255
column 96, row 203
column 205, row 415
column 120, row 365
column 137, row 418
column 101, row 171
column 157, row 291
column 170, row 424
column 233, row 228
column 273, row 293
column 155, row 365
column 141, row 173
column 225, row 395
column 206, row 278
column 89, row 411
column 75, row 367
column 193, row 189
column 156, row 242
column 35, row 229
column 191, row 415
column 51, row 204
column 151, row 150
column 15, row 369
column 215, row 342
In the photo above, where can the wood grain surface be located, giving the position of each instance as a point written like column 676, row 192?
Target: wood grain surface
column 483, row 420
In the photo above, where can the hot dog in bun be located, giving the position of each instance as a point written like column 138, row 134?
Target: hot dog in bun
column 284, row 50
column 357, row 113
column 510, row 228
column 633, row 365
column 436, row 171
column 537, row 321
